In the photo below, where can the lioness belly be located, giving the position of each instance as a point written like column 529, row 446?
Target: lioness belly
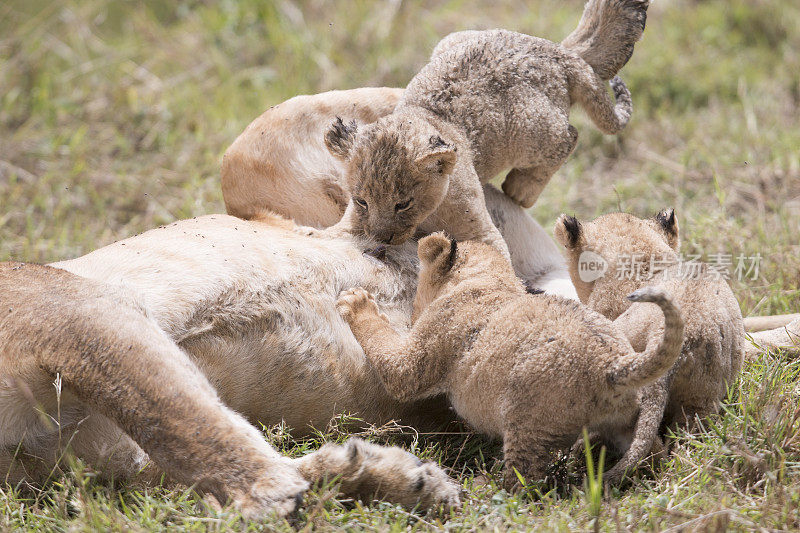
column 254, row 305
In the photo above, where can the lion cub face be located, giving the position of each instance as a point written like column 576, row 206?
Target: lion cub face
column 397, row 170
column 627, row 247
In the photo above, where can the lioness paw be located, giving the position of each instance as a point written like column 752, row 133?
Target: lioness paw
column 278, row 491
column 354, row 301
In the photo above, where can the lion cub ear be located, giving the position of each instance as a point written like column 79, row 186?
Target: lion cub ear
column 439, row 157
column 667, row 224
column 569, row 232
column 340, row 137
column 438, row 249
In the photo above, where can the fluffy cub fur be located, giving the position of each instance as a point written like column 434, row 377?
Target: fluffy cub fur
column 532, row 369
column 487, row 101
column 405, row 179
column 642, row 253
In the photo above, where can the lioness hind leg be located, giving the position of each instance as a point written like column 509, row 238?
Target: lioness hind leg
column 101, row 443
column 121, row 364
column 175, row 415
column 388, row 473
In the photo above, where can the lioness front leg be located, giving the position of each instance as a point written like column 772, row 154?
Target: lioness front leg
column 400, row 360
column 175, row 415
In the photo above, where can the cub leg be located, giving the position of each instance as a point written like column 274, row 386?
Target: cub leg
column 480, row 228
column 652, row 402
column 578, row 450
column 609, row 116
column 402, row 362
column 463, row 213
column 346, row 226
column 528, row 453
column 524, row 185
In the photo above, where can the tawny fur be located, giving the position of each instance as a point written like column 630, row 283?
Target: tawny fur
column 713, row 343
column 167, row 344
column 280, row 163
column 786, row 338
column 405, row 180
column 487, row 101
column 532, row 369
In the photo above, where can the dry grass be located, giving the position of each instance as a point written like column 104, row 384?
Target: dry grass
column 113, row 118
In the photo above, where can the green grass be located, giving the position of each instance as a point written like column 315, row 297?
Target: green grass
column 114, row 116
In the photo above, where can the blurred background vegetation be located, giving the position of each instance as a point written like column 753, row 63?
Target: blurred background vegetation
column 114, row 117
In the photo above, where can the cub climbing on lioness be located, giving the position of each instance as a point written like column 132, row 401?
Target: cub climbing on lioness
column 487, row 101
column 533, row 369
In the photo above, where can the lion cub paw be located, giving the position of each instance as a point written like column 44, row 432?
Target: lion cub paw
column 277, row 491
column 353, row 302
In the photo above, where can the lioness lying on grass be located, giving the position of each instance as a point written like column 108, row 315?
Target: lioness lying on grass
column 166, row 344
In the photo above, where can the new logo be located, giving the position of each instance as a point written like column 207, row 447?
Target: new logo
column 591, row 266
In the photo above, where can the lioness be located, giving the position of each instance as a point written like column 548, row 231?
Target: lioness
column 166, row 343
column 268, row 339
column 532, row 369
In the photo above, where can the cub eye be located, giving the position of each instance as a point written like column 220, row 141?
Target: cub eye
column 402, row 206
column 360, row 202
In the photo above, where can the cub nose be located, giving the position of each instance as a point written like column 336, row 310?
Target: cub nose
column 384, row 237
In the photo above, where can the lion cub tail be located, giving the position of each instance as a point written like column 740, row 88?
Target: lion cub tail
column 639, row 369
column 607, row 32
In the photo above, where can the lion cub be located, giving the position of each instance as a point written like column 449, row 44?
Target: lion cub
column 487, row 101
column 639, row 252
column 532, row 369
